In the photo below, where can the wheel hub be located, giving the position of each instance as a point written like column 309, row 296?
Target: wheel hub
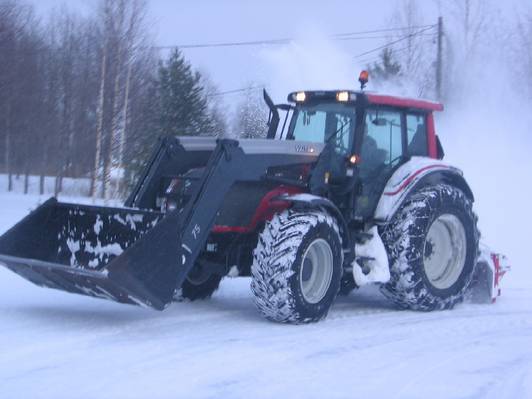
column 198, row 275
column 316, row 271
column 429, row 249
column 445, row 251
column 307, row 270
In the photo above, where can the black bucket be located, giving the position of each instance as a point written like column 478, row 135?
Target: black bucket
column 126, row 255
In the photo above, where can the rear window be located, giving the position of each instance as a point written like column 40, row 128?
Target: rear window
column 416, row 132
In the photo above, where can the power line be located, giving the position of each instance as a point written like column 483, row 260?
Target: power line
column 376, row 58
column 384, row 30
column 347, row 38
column 223, row 93
column 227, row 44
column 337, row 36
column 395, row 41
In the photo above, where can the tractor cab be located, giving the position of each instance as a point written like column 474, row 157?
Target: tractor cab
column 367, row 137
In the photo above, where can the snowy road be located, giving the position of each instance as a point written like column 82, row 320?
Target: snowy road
column 66, row 346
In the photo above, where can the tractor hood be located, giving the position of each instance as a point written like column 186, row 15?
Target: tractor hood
column 256, row 146
column 176, row 156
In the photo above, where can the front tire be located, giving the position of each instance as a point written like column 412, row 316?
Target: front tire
column 432, row 245
column 198, row 286
column 297, row 267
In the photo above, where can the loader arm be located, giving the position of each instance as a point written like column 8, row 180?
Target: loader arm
column 139, row 256
column 231, row 161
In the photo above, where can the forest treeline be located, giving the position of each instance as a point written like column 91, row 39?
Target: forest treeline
column 88, row 96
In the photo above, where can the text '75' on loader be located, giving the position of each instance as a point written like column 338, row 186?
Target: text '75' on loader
column 349, row 190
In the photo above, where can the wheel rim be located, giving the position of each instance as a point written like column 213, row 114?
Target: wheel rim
column 316, row 271
column 445, row 251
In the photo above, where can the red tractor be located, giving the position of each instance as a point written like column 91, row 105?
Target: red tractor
column 349, row 190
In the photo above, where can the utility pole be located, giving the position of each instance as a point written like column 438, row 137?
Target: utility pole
column 439, row 60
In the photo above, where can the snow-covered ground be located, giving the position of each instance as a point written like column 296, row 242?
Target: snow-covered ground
column 72, row 187
column 59, row 345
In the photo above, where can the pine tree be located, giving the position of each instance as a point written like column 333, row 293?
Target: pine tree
column 173, row 104
column 183, row 105
column 387, row 68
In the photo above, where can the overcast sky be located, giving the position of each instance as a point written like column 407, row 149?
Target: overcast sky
column 212, row 21
column 177, row 22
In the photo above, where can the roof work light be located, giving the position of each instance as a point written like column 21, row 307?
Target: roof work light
column 301, row 96
column 342, row 96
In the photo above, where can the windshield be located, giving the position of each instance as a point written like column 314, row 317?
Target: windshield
column 319, row 123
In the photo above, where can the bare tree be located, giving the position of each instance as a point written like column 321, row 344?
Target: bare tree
column 20, row 83
column 472, row 36
column 99, row 117
column 70, row 96
column 9, row 26
column 122, row 31
column 471, row 19
column 415, row 48
column 68, row 42
column 524, row 50
column 409, row 17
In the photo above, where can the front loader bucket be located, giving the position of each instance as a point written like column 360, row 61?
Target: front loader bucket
column 126, row 255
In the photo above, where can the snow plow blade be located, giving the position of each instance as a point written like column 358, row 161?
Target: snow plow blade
column 125, row 255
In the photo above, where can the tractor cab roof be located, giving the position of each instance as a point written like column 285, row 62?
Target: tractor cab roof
column 349, row 96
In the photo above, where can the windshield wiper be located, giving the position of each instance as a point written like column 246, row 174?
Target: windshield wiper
column 336, row 133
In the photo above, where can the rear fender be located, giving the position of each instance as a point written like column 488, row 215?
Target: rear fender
column 414, row 174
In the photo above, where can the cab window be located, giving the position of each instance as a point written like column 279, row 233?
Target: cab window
column 322, row 122
column 416, row 132
column 310, row 126
column 382, row 144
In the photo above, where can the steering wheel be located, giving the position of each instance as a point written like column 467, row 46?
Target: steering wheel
column 378, row 171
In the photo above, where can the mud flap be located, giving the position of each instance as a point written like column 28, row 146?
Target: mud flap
column 125, row 255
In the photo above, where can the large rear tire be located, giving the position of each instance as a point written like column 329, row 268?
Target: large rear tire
column 432, row 245
column 297, row 267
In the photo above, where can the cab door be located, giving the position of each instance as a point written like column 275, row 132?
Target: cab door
column 382, row 150
column 332, row 124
